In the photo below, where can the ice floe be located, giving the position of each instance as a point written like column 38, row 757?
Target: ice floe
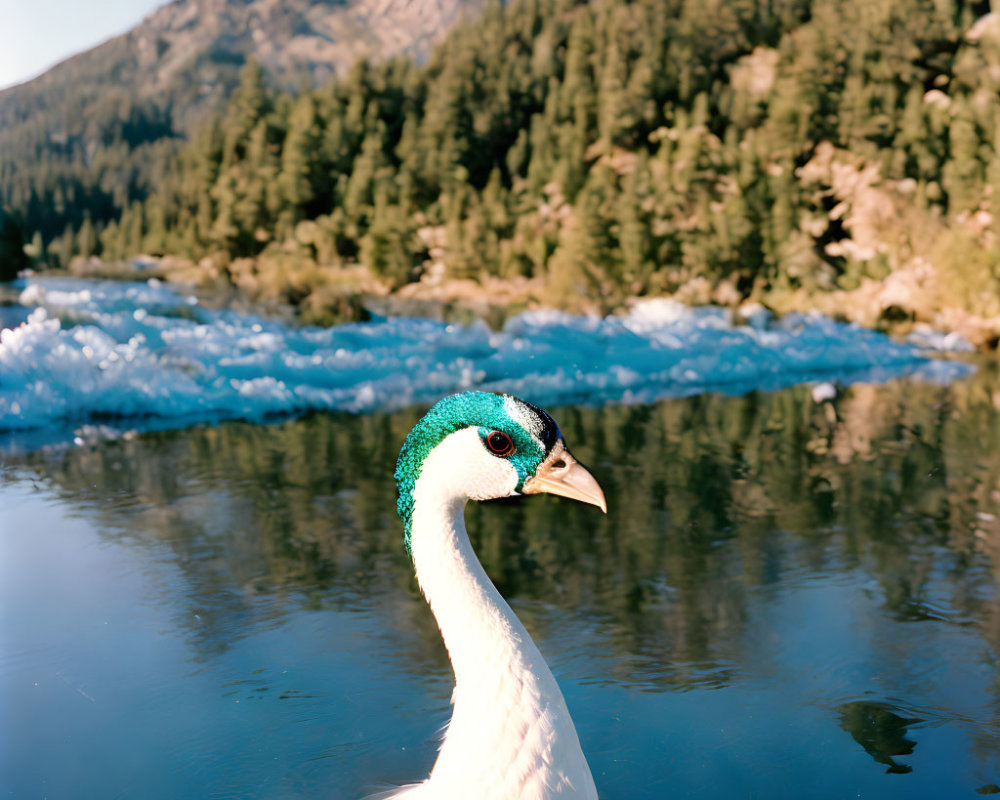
column 102, row 350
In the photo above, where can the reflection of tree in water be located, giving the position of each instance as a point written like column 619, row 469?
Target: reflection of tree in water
column 880, row 731
column 256, row 517
column 709, row 497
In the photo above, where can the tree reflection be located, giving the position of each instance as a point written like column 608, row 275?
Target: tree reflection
column 710, row 499
column 880, row 731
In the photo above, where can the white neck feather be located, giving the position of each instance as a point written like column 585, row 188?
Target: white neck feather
column 510, row 736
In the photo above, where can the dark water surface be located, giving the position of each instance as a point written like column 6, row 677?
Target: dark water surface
column 786, row 600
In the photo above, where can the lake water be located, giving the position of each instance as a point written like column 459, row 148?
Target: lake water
column 787, row 599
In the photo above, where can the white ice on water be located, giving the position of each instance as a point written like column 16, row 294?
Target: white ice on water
column 100, row 349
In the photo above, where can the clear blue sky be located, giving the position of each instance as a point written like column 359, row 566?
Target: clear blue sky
column 35, row 34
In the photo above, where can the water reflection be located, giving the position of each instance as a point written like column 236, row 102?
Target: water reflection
column 744, row 536
column 880, row 731
column 712, row 496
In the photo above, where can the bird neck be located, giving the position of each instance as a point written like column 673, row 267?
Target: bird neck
column 510, row 729
column 484, row 638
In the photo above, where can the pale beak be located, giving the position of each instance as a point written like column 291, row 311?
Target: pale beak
column 563, row 475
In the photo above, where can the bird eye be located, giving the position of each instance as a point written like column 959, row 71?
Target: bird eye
column 499, row 443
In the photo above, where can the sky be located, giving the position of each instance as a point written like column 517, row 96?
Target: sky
column 36, row 34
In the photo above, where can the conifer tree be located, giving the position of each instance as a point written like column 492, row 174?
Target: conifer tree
column 298, row 177
column 12, row 255
column 86, row 239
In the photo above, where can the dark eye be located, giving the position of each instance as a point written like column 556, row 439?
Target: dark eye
column 499, row 443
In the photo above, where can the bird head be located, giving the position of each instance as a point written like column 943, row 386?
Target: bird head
column 484, row 446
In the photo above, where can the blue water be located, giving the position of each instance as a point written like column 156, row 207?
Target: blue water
column 787, row 599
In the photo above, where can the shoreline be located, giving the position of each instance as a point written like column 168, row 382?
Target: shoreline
column 901, row 305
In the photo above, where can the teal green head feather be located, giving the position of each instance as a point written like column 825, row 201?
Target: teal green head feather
column 509, row 428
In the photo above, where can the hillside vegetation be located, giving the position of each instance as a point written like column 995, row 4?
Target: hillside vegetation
column 97, row 132
column 832, row 153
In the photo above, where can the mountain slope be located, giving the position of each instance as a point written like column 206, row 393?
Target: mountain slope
column 190, row 50
column 92, row 133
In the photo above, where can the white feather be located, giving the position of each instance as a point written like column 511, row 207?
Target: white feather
column 530, row 422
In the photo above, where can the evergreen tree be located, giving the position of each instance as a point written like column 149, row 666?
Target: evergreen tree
column 12, row 255
column 299, row 176
column 86, row 239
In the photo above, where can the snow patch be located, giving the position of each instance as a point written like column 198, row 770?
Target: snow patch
column 925, row 338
